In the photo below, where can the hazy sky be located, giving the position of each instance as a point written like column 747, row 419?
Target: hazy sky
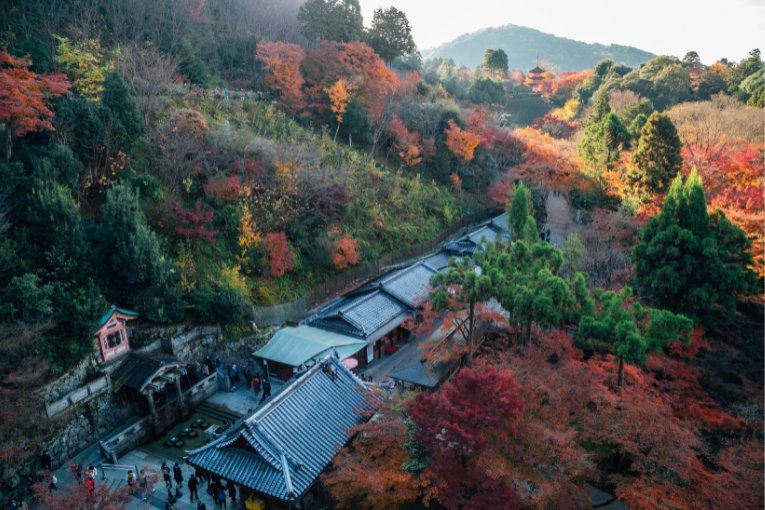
column 713, row 28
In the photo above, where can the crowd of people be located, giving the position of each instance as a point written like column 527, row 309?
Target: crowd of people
column 219, row 490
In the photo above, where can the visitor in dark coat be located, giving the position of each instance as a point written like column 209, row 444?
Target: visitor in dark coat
column 178, row 475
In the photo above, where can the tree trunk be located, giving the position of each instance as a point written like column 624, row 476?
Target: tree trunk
column 471, row 334
column 527, row 338
column 620, row 378
column 8, row 143
column 336, row 130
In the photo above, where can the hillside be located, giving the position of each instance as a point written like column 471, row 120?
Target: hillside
column 523, row 45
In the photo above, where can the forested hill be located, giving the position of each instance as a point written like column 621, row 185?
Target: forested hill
column 523, row 45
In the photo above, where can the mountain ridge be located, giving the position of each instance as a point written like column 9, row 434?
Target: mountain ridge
column 524, row 45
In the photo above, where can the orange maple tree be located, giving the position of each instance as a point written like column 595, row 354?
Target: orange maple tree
column 346, row 252
column 24, row 98
column 369, row 474
column 460, row 142
column 283, row 62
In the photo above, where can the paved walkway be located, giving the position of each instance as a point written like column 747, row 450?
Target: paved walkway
column 560, row 219
column 381, row 368
column 243, row 401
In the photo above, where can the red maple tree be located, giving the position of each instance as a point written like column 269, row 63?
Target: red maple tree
column 24, row 98
column 193, row 223
column 461, row 425
column 280, row 256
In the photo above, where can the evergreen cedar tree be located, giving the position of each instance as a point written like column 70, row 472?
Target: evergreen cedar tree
column 605, row 137
column 390, row 34
column 658, row 158
column 25, row 97
column 690, row 262
column 332, row 20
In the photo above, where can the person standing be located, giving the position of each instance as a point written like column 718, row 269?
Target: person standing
column 231, row 492
column 178, row 475
column 266, row 390
column 193, row 482
column 255, row 384
column 221, row 497
column 130, row 477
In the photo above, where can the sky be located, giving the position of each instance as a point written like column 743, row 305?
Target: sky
column 712, row 28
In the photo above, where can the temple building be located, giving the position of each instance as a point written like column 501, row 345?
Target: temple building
column 277, row 454
column 112, row 332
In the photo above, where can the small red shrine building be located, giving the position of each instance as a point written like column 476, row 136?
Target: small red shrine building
column 112, row 333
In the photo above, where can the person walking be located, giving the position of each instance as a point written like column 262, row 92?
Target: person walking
column 255, row 384
column 266, row 390
column 193, row 487
column 166, row 475
column 178, row 475
column 231, row 492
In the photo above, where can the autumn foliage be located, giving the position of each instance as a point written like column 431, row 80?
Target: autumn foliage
column 463, row 427
column 346, row 252
column 24, row 97
column 369, row 473
column 283, row 63
column 407, row 144
column 193, row 223
column 460, row 142
column 280, row 256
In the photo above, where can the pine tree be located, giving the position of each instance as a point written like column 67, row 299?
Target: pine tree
column 623, row 327
column 657, row 158
column 688, row 262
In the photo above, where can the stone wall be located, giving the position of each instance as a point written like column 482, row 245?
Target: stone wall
column 79, row 408
column 84, row 371
column 84, row 423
